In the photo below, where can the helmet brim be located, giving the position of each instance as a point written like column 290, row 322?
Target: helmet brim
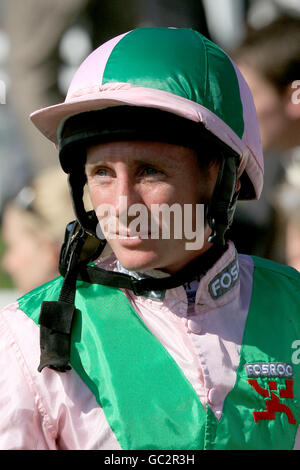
column 47, row 120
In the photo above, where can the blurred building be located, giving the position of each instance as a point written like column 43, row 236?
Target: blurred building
column 14, row 160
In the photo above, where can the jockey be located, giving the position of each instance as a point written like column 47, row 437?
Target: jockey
column 147, row 339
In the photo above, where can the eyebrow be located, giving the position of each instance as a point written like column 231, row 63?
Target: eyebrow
column 142, row 155
column 137, row 160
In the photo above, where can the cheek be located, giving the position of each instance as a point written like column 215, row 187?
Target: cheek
column 203, row 188
column 29, row 250
column 20, row 257
column 95, row 195
column 159, row 195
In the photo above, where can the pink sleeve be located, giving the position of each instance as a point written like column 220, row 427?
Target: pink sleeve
column 24, row 423
column 47, row 410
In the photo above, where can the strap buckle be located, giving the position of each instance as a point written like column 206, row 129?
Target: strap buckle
column 73, row 233
column 136, row 286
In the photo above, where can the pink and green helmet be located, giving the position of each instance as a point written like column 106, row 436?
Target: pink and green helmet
column 173, row 69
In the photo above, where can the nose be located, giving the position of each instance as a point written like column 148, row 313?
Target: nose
column 126, row 195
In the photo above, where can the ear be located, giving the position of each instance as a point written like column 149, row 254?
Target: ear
column 292, row 99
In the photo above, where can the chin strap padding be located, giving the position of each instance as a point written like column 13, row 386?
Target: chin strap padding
column 223, row 201
column 55, row 329
column 56, row 317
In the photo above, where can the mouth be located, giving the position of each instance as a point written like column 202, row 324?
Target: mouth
column 130, row 236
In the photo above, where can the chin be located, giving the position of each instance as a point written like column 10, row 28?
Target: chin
column 138, row 261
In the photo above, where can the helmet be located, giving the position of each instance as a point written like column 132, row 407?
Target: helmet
column 175, row 70
column 163, row 84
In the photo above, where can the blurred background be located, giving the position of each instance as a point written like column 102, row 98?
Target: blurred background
column 42, row 43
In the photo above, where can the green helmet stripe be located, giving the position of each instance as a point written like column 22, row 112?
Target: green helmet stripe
column 155, row 58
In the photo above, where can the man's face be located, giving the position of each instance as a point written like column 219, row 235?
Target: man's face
column 146, row 175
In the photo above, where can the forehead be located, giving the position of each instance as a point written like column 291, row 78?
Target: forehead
column 134, row 151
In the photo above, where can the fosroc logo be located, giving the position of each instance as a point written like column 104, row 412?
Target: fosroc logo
column 269, row 369
column 273, row 401
column 275, row 397
column 225, row 280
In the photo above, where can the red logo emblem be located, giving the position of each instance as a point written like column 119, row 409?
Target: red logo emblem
column 273, row 403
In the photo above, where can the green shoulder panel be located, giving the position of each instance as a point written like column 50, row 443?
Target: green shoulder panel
column 280, row 269
column 262, row 411
column 31, row 302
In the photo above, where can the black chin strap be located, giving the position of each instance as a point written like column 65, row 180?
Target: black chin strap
column 56, row 317
column 222, row 204
column 195, row 269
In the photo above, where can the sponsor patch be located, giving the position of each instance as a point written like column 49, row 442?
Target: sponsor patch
column 273, row 400
column 269, row 369
column 225, row 280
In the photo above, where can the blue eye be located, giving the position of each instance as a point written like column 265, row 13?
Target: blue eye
column 150, row 171
column 101, row 172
